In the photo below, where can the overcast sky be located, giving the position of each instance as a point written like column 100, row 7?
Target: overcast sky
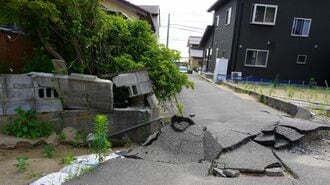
column 188, row 18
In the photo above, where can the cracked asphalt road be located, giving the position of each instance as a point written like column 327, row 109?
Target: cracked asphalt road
column 232, row 122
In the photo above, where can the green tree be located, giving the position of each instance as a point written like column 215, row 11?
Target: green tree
column 90, row 41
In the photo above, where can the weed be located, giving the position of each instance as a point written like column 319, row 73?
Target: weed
column 180, row 108
column 270, row 92
column 61, row 137
column 21, row 163
column 27, row 126
column 49, row 151
column 68, row 159
column 100, row 145
column 33, row 175
column 290, row 92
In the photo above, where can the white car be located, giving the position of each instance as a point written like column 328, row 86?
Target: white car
column 183, row 69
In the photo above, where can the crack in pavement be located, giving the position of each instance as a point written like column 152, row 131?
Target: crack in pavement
column 288, row 169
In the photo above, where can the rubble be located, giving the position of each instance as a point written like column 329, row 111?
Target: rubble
column 274, row 172
column 288, row 134
column 265, row 139
column 231, row 173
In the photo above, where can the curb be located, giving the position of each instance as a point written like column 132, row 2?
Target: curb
column 289, row 108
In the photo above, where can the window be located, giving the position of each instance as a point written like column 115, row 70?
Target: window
column 228, row 16
column 301, row 59
column 217, row 20
column 256, row 58
column 264, row 14
column 301, row 27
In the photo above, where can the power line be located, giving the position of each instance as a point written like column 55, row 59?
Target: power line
column 187, row 29
column 191, row 27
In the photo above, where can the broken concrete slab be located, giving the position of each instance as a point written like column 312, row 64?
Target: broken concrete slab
column 268, row 129
column 281, row 144
column 175, row 147
column 265, row 139
column 217, row 172
column 231, row 173
column 288, row 133
column 227, row 138
column 304, row 126
column 250, row 157
column 151, row 138
column 277, row 171
column 308, row 169
column 212, row 148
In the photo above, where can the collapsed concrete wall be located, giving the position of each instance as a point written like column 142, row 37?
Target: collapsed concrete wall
column 44, row 92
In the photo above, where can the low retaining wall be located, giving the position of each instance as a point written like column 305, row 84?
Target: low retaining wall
column 287, row 107
column 82, row 120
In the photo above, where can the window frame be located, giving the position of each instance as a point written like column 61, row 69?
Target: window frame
column 293, row 23
column 254, row 8
column 258, row 50
column 299, row 55
column 228, row 16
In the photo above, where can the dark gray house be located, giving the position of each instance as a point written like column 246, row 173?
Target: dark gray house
column 269, row 38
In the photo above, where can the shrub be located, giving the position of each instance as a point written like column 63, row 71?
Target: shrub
column 49, row 151
column 21, row 163
column 26, row 125
column 100, row 144
column 68, row 159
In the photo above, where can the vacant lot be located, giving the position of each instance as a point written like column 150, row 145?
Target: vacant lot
column 316, row 98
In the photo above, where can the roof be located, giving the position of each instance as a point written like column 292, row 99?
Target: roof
column 153, row 9
column 207, row 33
column 196, row 53
column 194, row 40
column 216, row 5
column 142, row 12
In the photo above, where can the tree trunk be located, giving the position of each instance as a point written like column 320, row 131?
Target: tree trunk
column 50, row 49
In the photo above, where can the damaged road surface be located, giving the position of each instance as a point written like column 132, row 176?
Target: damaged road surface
column 233, row 142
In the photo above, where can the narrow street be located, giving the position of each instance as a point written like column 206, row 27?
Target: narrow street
column 264, row 145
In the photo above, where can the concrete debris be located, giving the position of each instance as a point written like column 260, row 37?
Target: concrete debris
column 180, row 124
column 217, row 172
column 250, row 157
column 151, row 138
column 274, row 171
column 69, row 134
column 179, row 144
column 138, row 82
column 304, row 126
column 264, row 139
column 288, row 134
column 281, row 144
column 231, row 173
column 268, row 129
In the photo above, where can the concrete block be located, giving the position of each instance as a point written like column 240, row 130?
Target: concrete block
column 9, row 107
column 77, row 104
column 125, row 79
column 45, row 82
column 152, row 101
column 18, row 81
column 68, row 85
column 20, row 94
column 48, row 105
column 142, row 76
column 77, row 76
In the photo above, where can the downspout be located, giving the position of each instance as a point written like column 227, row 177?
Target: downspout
column 237, row 28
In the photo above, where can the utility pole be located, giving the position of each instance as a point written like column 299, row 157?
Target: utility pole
column 168, row 29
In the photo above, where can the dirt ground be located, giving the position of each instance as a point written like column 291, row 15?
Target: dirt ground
column 38, row 164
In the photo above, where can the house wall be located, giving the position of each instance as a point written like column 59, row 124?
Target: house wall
column 223, row 34
column 206, row 56
column 114, row 5
column 194, row 62
column 284, row 48
column 13, row 51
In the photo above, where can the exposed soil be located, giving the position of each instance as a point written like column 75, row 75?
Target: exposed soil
column 38, row 164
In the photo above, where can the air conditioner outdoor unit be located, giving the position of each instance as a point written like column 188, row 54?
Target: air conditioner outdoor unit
column 236, row 75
